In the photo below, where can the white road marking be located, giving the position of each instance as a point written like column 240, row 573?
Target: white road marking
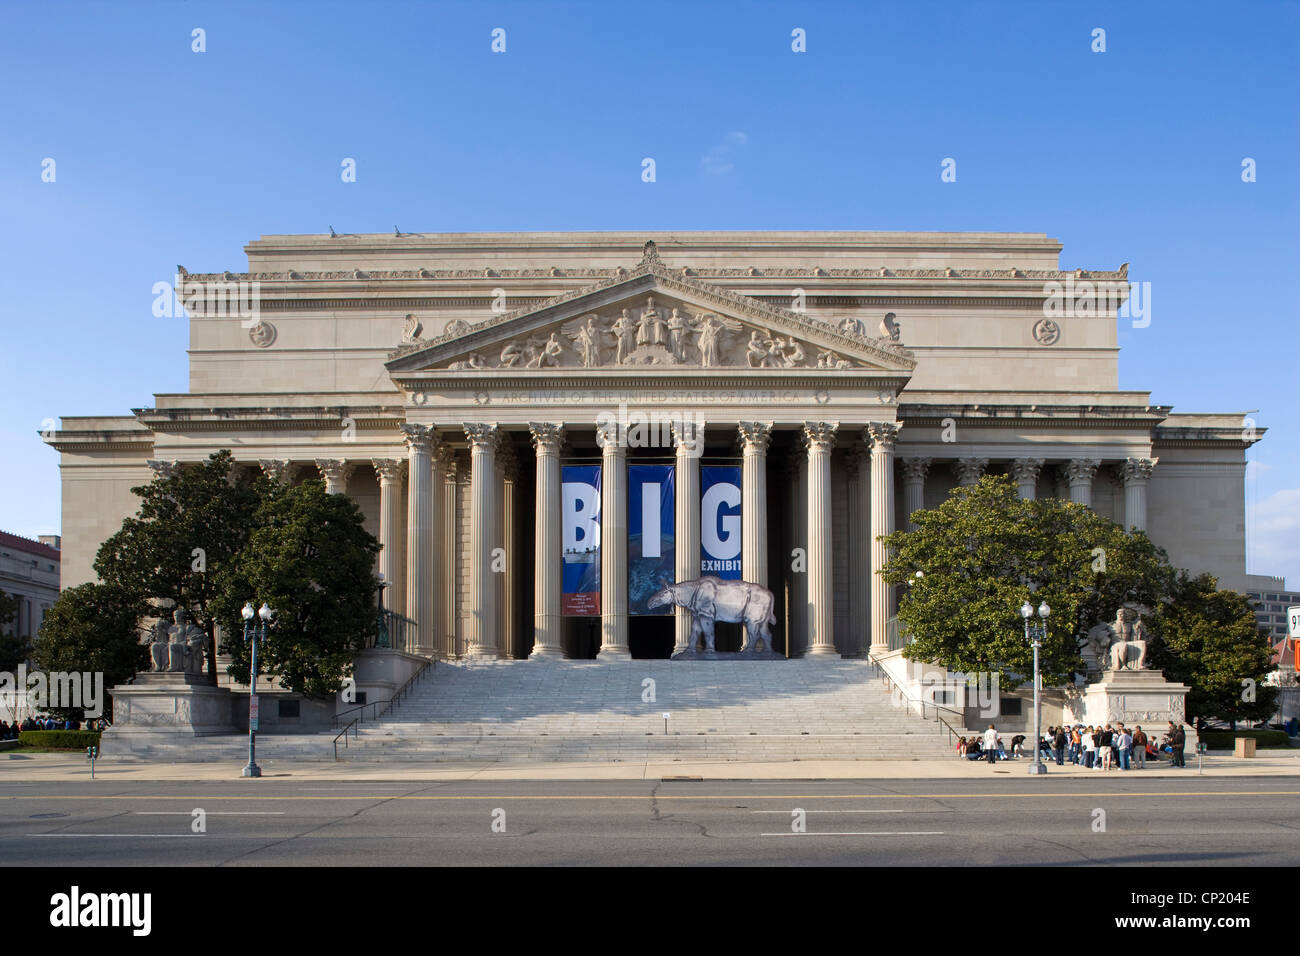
column 865, row 833
column 210, row 813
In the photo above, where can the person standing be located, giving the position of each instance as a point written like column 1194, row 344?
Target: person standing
column 1104, row 745
column 1058, row 746
column 1140, row 747
column 991, row 744
column 1125, row 747
column 1177, row 740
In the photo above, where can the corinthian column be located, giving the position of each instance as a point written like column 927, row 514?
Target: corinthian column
column 278, row 470
column 882, row 437
column 915, row 471
column 1080, row 472
column 336, row 473
column 613, row 546
column 391, row 529
column 688, row 438
column 1136, row 472
column 548, row 620
column 859, row 526
column 755, row 437
column 481, row 620
column 448, row 584
column 970, row 470
column 509, row 541
column 1025, row 471
column 820, row 439
column 421, row 522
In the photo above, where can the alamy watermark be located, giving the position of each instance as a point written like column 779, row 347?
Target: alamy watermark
column 654, row 429
column 1088, row 297
column 211, row 299
column 59, row 690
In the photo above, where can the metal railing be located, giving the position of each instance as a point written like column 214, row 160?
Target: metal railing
column 354, row 725
column 391, row 630
column 897, row 688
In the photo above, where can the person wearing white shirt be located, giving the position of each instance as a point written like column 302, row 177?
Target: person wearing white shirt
column 991, row 744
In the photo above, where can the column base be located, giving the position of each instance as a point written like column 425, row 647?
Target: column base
column 824, row 653
column 614, row 654
column 546, row 654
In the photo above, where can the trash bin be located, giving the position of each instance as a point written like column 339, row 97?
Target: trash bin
column 1245, row 747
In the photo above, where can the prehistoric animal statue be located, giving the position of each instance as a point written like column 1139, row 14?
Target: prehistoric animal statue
column 711, row 599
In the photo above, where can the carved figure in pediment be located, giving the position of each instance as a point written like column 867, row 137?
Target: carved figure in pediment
column 544, row 353
column 890, row 328
column 510, row 355
column 794, row 355
column 651, row 330
column 475, row 361
column 711, row 330
column 757, row 350
column 679, row 326
column 828, row 359
column 623, row 329
column 586, row 340
column 414, row 329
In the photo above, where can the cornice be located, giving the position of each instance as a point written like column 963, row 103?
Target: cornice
column 191, row 420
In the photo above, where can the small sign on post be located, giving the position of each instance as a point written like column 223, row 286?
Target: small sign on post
column 252, row 712
column 1293, row 622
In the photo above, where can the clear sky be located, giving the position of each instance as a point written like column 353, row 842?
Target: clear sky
column 165, row 156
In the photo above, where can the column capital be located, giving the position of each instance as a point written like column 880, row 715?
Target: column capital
column 278, row 470
column 483, row 435
column 389, row 469
column 610, row 441
column 915, row 469
column 419, row 437
column 336, row 471
column 970, row 470
column 1026, row 470
column 547, row 437
column 1081, row 470
column 881, row 435
column 1137, row 470
column 755, row 437
column 820, row 436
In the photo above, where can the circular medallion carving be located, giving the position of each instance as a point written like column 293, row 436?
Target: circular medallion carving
column 1046, row 332
column 262, row 334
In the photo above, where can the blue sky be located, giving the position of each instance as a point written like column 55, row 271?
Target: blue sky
column 167, row 156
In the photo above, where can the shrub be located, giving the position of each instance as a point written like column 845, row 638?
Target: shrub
column 66, row 739
column 1224, row 739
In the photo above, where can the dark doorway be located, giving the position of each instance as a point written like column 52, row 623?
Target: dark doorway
column 581, row 637
column 651, row 637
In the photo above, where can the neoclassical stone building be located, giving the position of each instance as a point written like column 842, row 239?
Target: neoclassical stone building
column 499, row 404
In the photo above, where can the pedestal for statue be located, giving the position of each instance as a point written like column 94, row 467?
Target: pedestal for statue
column 1132, row 697
column 163, row 709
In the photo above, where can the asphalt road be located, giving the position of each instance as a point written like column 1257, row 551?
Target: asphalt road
column 1015, row 821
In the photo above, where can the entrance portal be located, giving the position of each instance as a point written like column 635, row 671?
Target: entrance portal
column 651, row 636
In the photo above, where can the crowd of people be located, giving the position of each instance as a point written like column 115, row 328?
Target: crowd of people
column 1108, row 747
column 10, row 731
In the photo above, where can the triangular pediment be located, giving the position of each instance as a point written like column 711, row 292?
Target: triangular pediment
column 652, row 317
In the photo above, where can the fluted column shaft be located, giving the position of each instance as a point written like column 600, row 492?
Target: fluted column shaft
column 613, row 547
column 859, row 551
column 421, row 524
column 755, row 437
column 915, row 471
column 1136, row 473
column 820, row 439
column 689, row 441
column 882, row 436
column 449, row 589
column 481, row 617
column 392, row 527
column 548, row 619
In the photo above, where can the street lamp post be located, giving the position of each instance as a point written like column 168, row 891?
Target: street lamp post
column 258, row 634
column 1034, row 633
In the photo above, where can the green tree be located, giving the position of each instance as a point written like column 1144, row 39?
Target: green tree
column 986, row 550
column 311, row 559
column 93, row 627
column 1210, row 640
column 189, row 529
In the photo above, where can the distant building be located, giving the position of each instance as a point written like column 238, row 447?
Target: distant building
column 1271, row 600
column 29, row 572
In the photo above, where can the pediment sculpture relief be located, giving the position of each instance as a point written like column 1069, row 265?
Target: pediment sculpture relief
column 654, row 334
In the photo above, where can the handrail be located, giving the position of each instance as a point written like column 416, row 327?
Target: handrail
column 355, row 724
column 895, row 686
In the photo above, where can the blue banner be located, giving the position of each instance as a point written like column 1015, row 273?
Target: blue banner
column 651, row 543
column 720, row 507
column 580, row 523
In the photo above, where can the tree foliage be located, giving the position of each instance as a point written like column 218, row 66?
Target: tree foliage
column 1210, row 640
column 95, row 628
column 986, row 550
column 189, row 528
column 310, row 558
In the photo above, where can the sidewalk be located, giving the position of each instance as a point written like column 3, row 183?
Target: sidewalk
column 57, row 768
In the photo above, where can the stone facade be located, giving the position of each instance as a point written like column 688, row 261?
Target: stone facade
column 438, row 378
